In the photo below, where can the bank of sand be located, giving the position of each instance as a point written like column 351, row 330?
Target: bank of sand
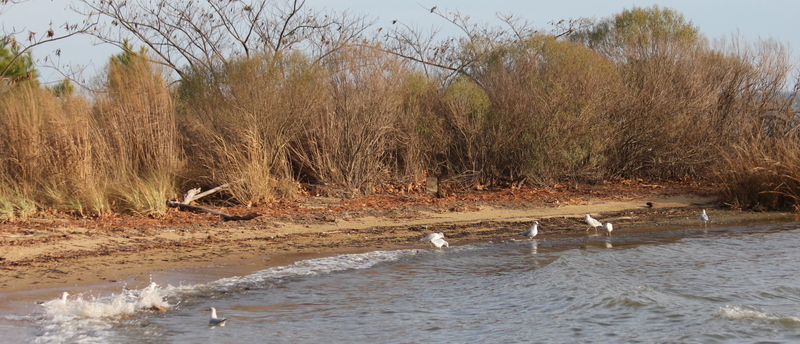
column 68, row 254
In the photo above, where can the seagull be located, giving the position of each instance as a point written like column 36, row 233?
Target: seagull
column 704, row 217
column 439, row 242
column 434, row 236
column 608, row 228
column 530, row 233
column 592, row 222
column 62, row 301
column 214, row 321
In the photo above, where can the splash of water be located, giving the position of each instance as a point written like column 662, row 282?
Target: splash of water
column 79, row 319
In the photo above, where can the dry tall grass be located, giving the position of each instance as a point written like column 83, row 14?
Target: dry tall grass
column 138, row 144
column 760, row 165
column 47, row 154
column 239, row 123
column 763, row 175
column 118, row 154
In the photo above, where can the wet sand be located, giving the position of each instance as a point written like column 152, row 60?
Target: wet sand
column 186, row 248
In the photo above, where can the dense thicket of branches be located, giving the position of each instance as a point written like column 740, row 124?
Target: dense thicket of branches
column 272, row 95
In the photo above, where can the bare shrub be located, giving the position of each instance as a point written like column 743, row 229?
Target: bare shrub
column 198, row 36
column 347, row 145
column 663, row 127
column 420, row 138
column 667, row 126
column 239, row 122
column 761, row 164
column 550, row 103
column 466, row 112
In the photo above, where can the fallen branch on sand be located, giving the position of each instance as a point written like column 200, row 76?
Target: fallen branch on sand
column 195, row 194
column 199, row 209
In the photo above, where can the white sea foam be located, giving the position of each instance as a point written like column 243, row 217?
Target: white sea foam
column 83, row 319
column 737, row 312
column 318, row 266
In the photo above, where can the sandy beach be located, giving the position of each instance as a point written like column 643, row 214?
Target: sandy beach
column 58, row 251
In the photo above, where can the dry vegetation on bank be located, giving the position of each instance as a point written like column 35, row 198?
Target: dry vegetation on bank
column 641, row 95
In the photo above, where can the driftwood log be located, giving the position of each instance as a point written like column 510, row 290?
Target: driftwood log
column 199, row 209
column 195, row 194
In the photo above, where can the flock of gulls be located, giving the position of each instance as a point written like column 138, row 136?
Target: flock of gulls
column 437, row 240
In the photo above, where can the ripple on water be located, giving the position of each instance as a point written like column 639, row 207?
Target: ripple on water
column 684, row 290
column 753, row 313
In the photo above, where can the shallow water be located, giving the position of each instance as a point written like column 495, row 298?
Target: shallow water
column 722, row 285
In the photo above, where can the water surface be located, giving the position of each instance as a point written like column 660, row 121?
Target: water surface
column 722, row 285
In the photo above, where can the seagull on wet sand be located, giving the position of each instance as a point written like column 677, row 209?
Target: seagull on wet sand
column 439, row 242
column 608, row 228
column 214, row 321
column 592, row 222
column 437, row 239
column 530, row 233
column 432, row 236
column 704, row 217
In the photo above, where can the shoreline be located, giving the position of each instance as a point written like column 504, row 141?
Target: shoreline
column 69, row 256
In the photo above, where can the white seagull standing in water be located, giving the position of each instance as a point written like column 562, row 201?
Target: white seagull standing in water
column 435, row 238
column 432, row 236
column 608, row 228
column 704, row 217
column 214, row 321
column 439, row 242
column 592, row 222
column 530, row 233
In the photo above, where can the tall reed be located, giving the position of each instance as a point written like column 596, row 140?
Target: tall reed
column 137, row 144
column 47, row 160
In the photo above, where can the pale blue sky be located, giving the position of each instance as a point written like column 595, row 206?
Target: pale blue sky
column 753, row 20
